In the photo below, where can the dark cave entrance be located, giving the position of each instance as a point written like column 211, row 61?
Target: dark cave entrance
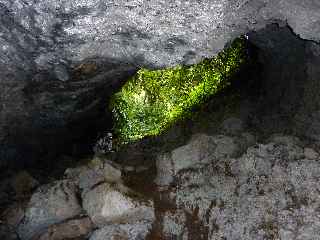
column 278, row 93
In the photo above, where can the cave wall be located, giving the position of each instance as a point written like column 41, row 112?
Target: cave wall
column 60, row 60
column 289, row 83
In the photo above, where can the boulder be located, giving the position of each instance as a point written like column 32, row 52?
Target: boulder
column 114, row 203
column 270, row 192
column 201, row 149
column 50, row 204
column 96, row 171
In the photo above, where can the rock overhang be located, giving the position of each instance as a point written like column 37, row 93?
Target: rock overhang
column 42, row 43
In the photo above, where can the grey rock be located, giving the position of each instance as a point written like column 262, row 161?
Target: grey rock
column 49, row 205
column 310, row 153
column 201, row 149
column 97, row 170
column 74, row 173
column 270, row 192
column 78, row 52
column 89, row 179
column 134, row 231
column 114, row 203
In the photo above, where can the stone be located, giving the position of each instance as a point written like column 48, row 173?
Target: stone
column 97, row 172
column 74, row 173
column 71, row 229
column 134, row 231
column 201, row 149
column 23, row 183
column 50, row 204
column 264, row 194
column 114, row 203
column 310, row 153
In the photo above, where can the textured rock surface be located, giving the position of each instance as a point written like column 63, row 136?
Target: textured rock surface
column 110, row 203
column 50, row 204
column 270, row 192
column 59, row 59
column 68, row 230
column 201, row 149
column 135, row 231
column 174, row 225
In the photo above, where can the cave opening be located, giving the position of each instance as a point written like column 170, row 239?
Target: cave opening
column 270, row 95
column 276, row 93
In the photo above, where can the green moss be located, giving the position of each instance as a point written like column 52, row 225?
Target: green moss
column 153, row 100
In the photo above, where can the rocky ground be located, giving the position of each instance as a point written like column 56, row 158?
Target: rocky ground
column 227, row 185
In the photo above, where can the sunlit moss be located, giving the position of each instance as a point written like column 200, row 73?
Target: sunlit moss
column 153, row 100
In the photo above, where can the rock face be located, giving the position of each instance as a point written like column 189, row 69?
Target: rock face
column 270, row 192
column 201, row 149
column 61, row 59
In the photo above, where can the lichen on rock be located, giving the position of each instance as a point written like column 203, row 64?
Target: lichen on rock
column 153, row 100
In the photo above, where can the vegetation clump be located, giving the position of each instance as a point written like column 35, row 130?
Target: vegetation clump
column 153, row 100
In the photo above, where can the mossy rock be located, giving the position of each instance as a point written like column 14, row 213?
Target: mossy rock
column 153, row 100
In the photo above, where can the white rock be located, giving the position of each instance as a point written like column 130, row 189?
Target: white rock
column 112, row 203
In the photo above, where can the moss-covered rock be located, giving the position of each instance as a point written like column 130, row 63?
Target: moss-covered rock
column 153, row 100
